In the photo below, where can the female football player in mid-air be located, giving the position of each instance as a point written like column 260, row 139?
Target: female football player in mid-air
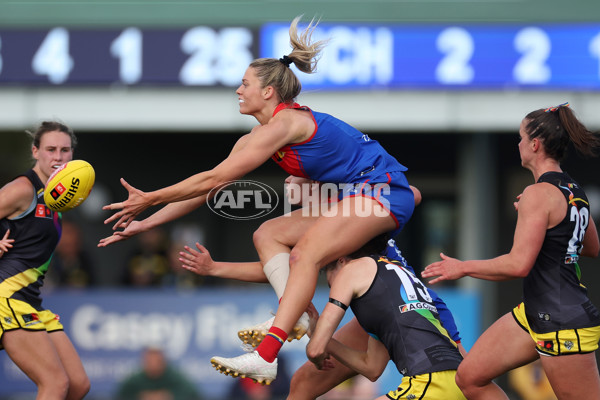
column 375, row 197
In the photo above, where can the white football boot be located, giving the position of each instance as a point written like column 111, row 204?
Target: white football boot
column 254, row 335
column 249, row 365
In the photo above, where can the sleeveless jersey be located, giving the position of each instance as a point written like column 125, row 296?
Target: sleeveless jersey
column 36, row 234
column 398, row 310
column 335, row 153
column 553, row 295
column 392, row 252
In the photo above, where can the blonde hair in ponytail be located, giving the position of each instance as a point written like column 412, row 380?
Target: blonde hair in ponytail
column 305, row 55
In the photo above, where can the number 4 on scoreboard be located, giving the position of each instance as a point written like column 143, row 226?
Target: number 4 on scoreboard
column 53, row 58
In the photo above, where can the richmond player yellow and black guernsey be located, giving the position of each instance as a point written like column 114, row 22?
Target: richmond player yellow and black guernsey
column 553, row 295
column 36, row 233
column 398, row 310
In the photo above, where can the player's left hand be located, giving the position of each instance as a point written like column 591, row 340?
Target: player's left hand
column 130, row 208
column 131, row 230
column 446, row 270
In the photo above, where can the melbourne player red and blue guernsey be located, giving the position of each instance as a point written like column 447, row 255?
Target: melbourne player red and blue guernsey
column 339, row 153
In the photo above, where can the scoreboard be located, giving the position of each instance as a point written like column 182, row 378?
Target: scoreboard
column 357, row 57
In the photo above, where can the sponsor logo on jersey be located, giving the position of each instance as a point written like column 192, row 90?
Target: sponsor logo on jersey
column 545, row 344
column 417, row 306
column 568, row 344
column 571, row 258
column 41, row 211
column 279, row 156
column 31, row 319
column 8, row 320
column 542, row 316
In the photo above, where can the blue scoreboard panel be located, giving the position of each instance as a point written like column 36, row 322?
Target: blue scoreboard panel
column 380, row 57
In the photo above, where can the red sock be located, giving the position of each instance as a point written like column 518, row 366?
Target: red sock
column 270, row 346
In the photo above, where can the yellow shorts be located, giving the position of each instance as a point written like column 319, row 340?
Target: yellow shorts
column 434, row 386
column 16, row 314
column 563, row 342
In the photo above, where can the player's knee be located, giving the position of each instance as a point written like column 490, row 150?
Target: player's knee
column 298, row 257
column 460, row 381
column 295, row 257
column 55, row 383
column 467, row 379
column 302, row 384
column 80, row 387
column 263, row 234
column 298, row 382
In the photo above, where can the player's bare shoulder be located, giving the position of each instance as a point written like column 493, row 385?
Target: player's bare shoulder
column 545, row 193
column 16, row 196
column 543, row 199
column 298, row 122
column 361, row 273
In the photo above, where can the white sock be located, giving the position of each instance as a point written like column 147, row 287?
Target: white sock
column 277, row 271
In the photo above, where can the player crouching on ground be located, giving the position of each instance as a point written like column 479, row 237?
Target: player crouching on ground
column 396, row 309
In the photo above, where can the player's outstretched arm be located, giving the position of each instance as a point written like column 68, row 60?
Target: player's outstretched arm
column 168, row 213
column 200, row 262
column 258, row 147
column 532, row 223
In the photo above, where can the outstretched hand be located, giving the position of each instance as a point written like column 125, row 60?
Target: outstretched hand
column 132, row 229
column 130, row 208
column 446, row 270
column 198, row 261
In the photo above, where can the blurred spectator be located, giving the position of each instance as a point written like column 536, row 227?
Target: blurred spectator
column 71, row 264
column 157, row 380
column 530, row 382
column 149, row 265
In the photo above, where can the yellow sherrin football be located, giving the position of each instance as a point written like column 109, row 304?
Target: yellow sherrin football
column 69, row 185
